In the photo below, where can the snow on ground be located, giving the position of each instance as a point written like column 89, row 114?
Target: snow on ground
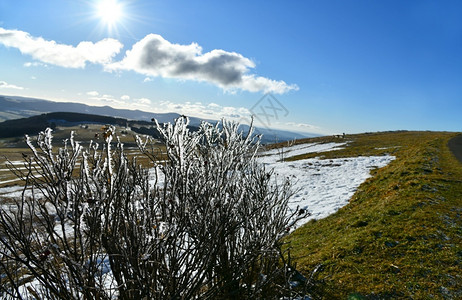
column 11, row 191
column 285, row 152
column 323, row 185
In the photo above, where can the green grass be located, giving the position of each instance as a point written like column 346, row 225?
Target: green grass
column 401, row 234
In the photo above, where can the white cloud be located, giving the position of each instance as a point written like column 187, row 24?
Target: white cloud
column 206, row 111
column 254, row 83
column 5, row 85
column 34, row 64
column 109, row 99
column 105, row 98
column 155, row 56
column 93, row 93
column 62, row 55
column 125, row 101
column 144, row 101
column 152, row 56
column 303, row 125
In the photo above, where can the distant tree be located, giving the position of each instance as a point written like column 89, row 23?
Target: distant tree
column 207, row 223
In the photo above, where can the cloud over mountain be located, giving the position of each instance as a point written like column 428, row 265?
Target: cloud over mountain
column 155, row 56
column 5, row 85
column 62, row 55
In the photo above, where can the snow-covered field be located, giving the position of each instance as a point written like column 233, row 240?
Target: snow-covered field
column 323, row 185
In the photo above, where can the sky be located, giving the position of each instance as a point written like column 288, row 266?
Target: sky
column 324, row 67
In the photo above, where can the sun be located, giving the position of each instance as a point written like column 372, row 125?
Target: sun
column 112, row 17
column 110, row 11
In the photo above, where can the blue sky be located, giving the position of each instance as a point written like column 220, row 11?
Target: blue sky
column 332, row 66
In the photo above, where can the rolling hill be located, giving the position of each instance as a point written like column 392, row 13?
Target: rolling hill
column 15, row 107
column 400, row 236
column 35, row 124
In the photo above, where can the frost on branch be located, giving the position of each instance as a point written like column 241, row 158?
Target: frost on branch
column 93, row 223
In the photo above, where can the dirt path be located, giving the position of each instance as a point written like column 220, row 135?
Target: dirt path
column 455, row 145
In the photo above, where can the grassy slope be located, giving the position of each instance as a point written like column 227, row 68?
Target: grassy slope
column 401, row 234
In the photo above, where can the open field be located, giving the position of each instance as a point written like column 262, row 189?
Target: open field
column 14, row 149
column 401, row 234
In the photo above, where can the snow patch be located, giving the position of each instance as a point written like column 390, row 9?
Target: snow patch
column 274, row 155
column 323, row 185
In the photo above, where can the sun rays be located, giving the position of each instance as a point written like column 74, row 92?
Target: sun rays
column 111, row 15
column 110, row 11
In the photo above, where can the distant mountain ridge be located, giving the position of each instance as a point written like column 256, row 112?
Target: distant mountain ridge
column 15, row 107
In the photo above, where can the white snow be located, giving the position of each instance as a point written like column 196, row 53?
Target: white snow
column 323, row 185
column 11, row 191
column 285, row 152
column 16, row 192
column 9, row 181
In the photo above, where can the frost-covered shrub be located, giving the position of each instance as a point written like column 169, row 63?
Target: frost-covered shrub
column 206, row 222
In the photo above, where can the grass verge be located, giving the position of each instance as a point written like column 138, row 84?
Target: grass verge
column 401, row 234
